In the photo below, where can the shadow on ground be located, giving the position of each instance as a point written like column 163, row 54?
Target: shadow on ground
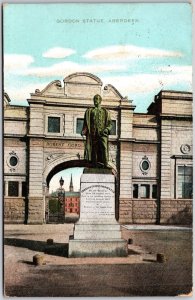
column 102, row 280
column 172, row 278
column 58, row 249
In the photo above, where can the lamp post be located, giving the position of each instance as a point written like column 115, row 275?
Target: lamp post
column 44, row 187
column 61, row 195
column 61, row 181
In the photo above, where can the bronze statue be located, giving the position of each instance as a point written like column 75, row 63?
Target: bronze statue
column 97, row 126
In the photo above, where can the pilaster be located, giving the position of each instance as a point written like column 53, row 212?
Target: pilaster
column 125, row 199
column 36, row 212
column 165, row 159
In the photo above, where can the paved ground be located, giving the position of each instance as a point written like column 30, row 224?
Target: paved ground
column 157, row 227
column 137, row 275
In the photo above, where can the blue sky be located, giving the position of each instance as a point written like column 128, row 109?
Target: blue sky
column 149, row 52
column 138, row 48
column 66, row 175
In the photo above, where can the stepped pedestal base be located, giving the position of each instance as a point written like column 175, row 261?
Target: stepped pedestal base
column 97, row 248
column 97, row 233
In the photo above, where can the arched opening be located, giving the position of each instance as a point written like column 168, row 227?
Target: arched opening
column 62, row 202
column 66, row 165
column 63, row 198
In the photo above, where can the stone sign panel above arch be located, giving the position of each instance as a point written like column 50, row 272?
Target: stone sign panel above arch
column 80, row 84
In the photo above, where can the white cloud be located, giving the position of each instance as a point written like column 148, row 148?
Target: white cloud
column 145, row 83
column 67, row 67
column 141, row 88
column 173, row 77
column 125, row 52
column 175, row 69
column 20, row 92
column 138, row 83
column 58, row 52
column 15, row 62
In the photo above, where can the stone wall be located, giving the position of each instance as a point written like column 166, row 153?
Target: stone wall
column 36, row 168
column 145, row 133
column 138, row 211
column 125, row 181
column 172, row 211
column 15, row 147
column 176, row 211
column 125, row 211
column 174, row 106
column 144, row 211
column 14, row 210
column 174, row 134
column 36, row 210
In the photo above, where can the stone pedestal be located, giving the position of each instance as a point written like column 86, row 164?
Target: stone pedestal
column 97, row 232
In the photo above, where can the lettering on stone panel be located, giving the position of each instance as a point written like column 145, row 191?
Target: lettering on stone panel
column 75, row 145
column 13, row 143
column 64, row 145
column 36, row 143
column 54, row 144
column 97, row 201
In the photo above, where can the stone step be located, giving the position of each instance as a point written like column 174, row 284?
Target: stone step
column 97, row 234
column 110, row 227
column 98, row 248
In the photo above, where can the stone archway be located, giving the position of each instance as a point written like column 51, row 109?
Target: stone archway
column 54, row 212
column 54, row 163
column 64, row 163
column 49, row 173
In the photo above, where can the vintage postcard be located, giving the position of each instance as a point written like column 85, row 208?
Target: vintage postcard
column 97, row 149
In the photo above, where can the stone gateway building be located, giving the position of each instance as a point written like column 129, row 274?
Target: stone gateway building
column 150, row 153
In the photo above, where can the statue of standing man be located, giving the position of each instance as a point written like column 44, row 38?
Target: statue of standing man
column 97, row 126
